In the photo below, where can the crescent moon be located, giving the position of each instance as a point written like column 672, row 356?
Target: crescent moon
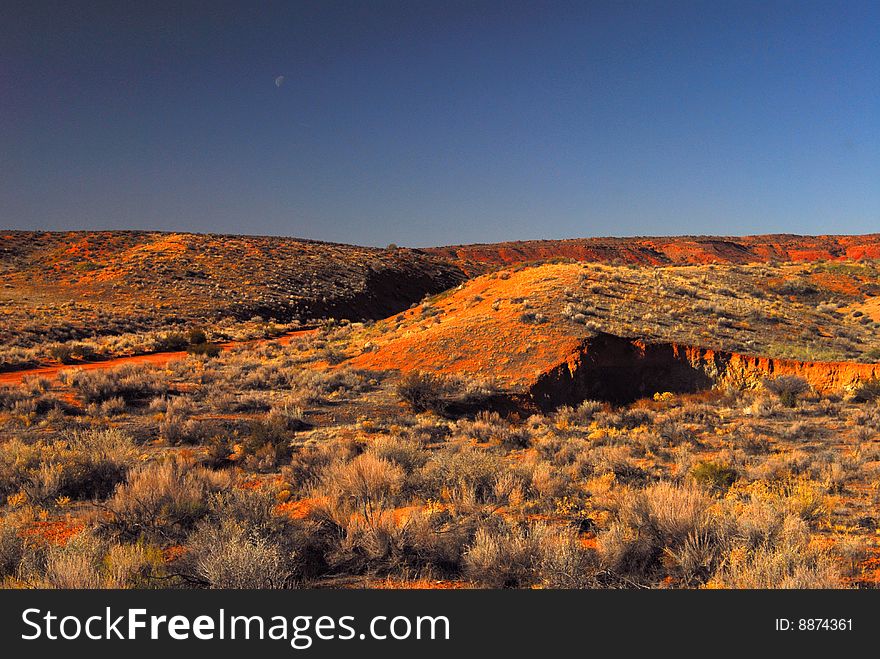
column 279, row 81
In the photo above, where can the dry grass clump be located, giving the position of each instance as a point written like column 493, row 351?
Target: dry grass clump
column 508, row 556
column 867, row 391
column 242, row 544
column 429, row 392
column 230, row 555
column 268, row 441
column 163, row 500
column 664, row 521
column 81, row 465
column 787, row 388
column 130, row 382
column 365, row 485
column 87, row 561
column 788, row 561
column 462, row 472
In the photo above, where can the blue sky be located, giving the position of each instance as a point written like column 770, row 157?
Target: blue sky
column 425, row 123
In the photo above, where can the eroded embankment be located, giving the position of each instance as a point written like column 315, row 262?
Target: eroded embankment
column 621, row 370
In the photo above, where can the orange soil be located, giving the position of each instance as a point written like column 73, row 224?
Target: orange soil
column 419, row 584
column 469, row 336
column 295, row 509
column 870, row 307
column 56, row 532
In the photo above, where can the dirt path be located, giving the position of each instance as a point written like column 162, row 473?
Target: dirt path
column 157, row 358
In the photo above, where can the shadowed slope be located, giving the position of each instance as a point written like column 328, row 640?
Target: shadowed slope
column 70, row 285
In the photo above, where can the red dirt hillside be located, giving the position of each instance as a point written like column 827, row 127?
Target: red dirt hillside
column 569, row 331
column 675, row 250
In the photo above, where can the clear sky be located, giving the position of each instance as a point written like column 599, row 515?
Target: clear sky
column 428, row 122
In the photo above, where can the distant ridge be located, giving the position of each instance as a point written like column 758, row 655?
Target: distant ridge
column 667, row 250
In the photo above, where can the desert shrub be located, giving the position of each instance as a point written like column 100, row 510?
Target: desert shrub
column 794, row 495
column 32, row 406
column 193, row 432
column 426, row 542
column 789, row 561
column 62, row 352
column 13, row 358
column 365, row 485
column 305, row 467
column 132, row 565
column 626, row 419
column 67, row 353
column 11, row 541
column 204, row 349
column 407, row 453
column 10, row 397
column 787, row 388
column 252, row 508
column 797, row 288
column 564, row 562
column 581, row 416
column 503, row 557
column 489, row 426
column 163, row 500
column 515, row 438
column 755, row 444
column 664, row 520
column 314, row 387
column 287, row 414
column 309, row 460
column 443, row 394
column 578, row 311
column 333, row 356
column 867, row 391
column 609, row 459
column 86, row 560
column 111, row 407
column 35, row 385
column 75, row 564
column 268, row 440
column 171, row 342
column 99, row 460
column 803, row 431
column 230, row 554
column 425, row 391
column 715, row 477
column 436, row 541
column 228, row 402
column 196, row 336
column 485, row 427
column 533, row 318
column 130, row 382
column 514, row 556
column 83, row 465
column 465, row 471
